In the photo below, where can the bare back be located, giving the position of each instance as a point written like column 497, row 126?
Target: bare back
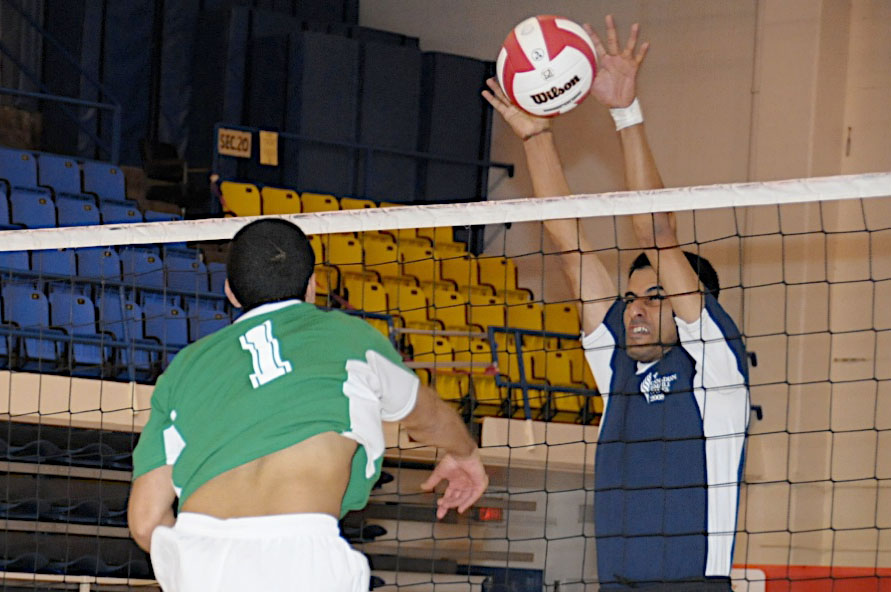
column 308, row 477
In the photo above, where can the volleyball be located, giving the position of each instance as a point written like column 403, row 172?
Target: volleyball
column 547, row 65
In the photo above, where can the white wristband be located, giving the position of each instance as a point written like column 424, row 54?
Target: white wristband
column 627, row 116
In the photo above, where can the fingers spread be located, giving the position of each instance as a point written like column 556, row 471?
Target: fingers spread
column 632, row 39
column 643, row 52
column 612, row 40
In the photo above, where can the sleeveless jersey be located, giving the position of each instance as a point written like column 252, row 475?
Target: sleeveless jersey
column 282, row 373
column 669, row 452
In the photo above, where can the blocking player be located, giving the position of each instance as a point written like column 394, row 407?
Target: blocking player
column 667, row 358
column 270, row 429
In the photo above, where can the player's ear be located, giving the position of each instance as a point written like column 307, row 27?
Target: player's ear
column 232, row 299
column 311, row 289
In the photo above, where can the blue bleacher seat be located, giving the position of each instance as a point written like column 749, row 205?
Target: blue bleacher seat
column 217, row 273
column 168, row 324
column 153, row 216
column 204, row 319
column 116, row 211
column 32, row 208
column 59, row 262
column 61, row 173
column 15, row 260
column 28, row 309
column 5, row 221
column 76, row 210
column 104, row 180
column 18, row 168
column 123, row 319
column 75, row 313
column 185, row 270
column 98, row 262
column 142, row 267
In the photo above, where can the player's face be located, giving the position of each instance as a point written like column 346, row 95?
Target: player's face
column 649, row 324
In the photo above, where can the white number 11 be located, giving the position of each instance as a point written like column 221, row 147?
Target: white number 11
column 265, row 356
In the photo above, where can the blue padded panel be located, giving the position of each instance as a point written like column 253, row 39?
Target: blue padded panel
column 322, row 61
column 455, row 123
column 389, row 112
column 59, row 172
column 103, row 179
column 76, row 210
column 33, row 208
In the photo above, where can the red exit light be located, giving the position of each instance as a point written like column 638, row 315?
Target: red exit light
column 489, row 514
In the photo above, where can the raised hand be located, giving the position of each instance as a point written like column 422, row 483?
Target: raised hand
column 615, row 83
column 467, row 481
column 523, row 124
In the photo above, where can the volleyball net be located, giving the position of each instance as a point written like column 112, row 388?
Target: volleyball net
column 474, row 297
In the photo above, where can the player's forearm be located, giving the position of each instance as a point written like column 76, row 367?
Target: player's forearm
column 545, row 168
column 443, row 428
column 641, row 171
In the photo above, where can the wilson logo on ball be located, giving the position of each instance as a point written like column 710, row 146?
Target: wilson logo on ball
column 547, row 65
column 544, row 97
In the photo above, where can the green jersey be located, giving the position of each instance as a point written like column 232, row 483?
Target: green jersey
column 282, row 373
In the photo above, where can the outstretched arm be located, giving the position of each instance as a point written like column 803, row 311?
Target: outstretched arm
column 433, row 423
column 615, row 87
column 588, row 277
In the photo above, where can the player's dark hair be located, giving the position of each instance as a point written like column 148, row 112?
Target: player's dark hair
column 269, row 260
column 703, row 268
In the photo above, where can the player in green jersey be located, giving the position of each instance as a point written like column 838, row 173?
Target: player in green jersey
column 270, row 429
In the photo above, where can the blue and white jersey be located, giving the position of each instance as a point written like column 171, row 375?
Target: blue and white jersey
column 670, row 451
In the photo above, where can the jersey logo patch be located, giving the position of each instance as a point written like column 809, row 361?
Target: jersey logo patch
column 654, row 387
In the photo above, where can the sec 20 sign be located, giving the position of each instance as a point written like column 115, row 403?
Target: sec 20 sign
column 234, row 143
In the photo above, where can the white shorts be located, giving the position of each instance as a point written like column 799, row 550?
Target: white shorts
column 291, row 552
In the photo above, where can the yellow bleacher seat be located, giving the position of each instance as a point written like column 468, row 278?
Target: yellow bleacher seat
column 430, row 288
column 318, row 202
column 367, row 295
column 509, row 366
column 471, row 350
column 280, row 201
column 315, row 241
column 486, row 312
column 451, row 386
column 461, row 270
column 498, row 272
column 443, row 239
column 327, row 281
column 353, row 203
column 527, row 316
column 345, row 252
column 241, row 199
column 518, row 296
column 449, row 307
column 418, row 261
column 487, row 397
column 430, row 348
column 380, row 257
column 562, row 317
column 409, row 302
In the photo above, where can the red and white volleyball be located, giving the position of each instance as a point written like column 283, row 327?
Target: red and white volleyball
column 547, row 65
